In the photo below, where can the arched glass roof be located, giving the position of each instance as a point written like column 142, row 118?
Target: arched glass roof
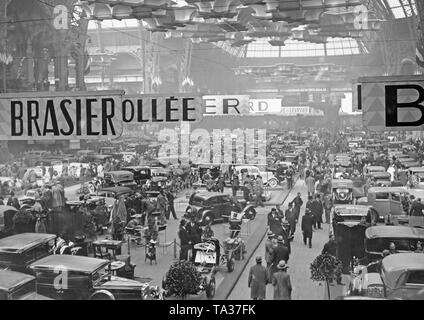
column 293, row 48
column 401, row 8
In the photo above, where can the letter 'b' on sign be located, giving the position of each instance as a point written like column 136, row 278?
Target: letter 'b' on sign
column 393, row 103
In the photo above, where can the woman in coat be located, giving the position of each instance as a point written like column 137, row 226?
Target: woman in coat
column 281, row 282
column 257, row 281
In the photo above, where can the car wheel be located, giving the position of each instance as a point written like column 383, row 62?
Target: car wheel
column 250, row 214
column 210, row 216
column 273, row 183
column 102, row 295
column 210, row 289
column 91, row 188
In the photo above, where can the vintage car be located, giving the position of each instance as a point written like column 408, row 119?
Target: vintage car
column 417, row 182
column 387, row 201
column 378, row 238
column 349, row 231
column 120, row 178
column 342, row 191
column 6, row 220
column 18, row 286
column 381, row 178
column 217, row 207
column 401, row 277
column 373, row 169
column 87, row 279
column 340, row 168
column 141, row 174
column 110, row 194
column 17, row 252
column 268, row 178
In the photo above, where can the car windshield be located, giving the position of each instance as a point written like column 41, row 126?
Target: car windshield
column 100, row 276
column 416, row 277
column 198, row 201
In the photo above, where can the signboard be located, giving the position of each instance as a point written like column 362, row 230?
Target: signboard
column 137, row 110
column 392, row 103
column 292, row 111
column 265, row 105
column 60, row 115
column 226, row 105
column 89, row 115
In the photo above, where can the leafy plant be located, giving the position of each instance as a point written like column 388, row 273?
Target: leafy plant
column 326, row 268
column 182, row 279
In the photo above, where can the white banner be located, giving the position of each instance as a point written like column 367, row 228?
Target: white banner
column 265, row 105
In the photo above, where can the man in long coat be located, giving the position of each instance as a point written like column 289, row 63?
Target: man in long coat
column 257, row 281
column 307, row 223
column 297, row 204
column 281, row 252
column 281, row 282
column 310, row 184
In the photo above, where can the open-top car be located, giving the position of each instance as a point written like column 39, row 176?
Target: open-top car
column 87, row 279
column 18, row 286
column 217, row 207
column 17, row 252
column 401, row 276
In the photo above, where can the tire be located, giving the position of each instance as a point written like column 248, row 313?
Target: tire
column 211, row 217
column 91, row 188
column 273, row 183
column 102, row 295
column 210, row 289
column 230, row 265
column 250, row 214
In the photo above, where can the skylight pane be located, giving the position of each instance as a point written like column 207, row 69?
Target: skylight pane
column 398, row 13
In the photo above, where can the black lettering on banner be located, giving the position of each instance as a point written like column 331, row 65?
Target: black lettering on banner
column 392, row 105
column 226, row 105
column 124, row 110
column 78, row 114
column 186, row 109
column 67, row 117
column 169, row 109
column 50, row 117
column 90, row 116
column 17, row 118
column 106, row 117
column 155, row 111
column 33, row 117
column 140, row 111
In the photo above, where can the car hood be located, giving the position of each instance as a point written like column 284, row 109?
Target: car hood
column 122, row 283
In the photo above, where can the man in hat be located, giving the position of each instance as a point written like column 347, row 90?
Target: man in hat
column 257, row 281
column 281, row 282
column 307, row 223
column 281, row 252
